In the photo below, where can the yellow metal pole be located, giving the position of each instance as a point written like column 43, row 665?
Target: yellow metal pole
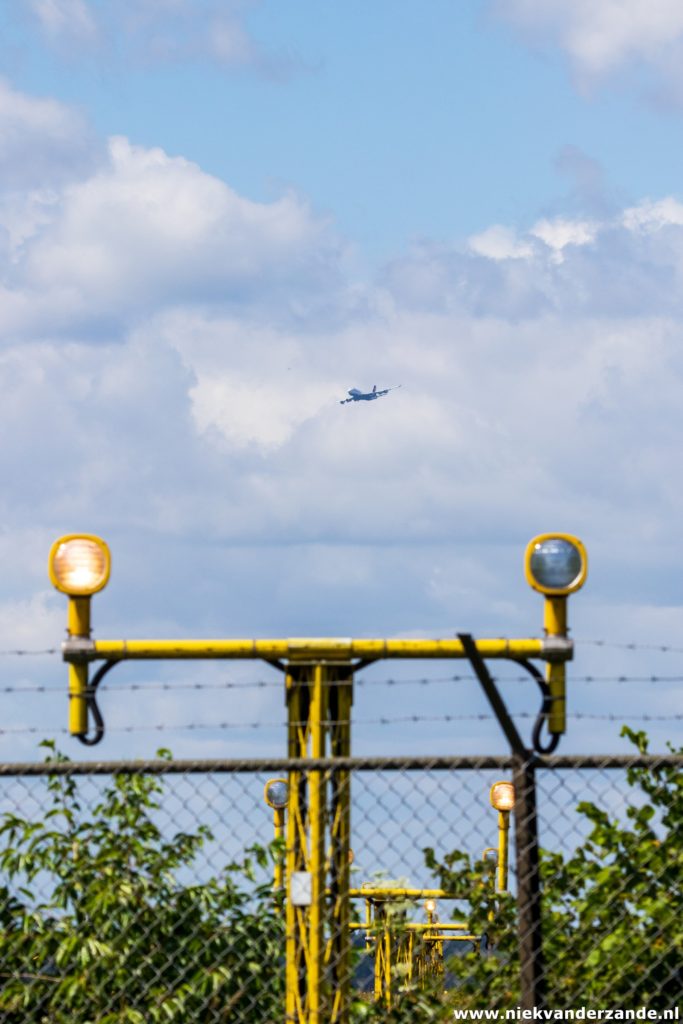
column 316, row 796
column 555, row 625
column 78, row 628
column 306, row 650
column 296, row 940
column 503, row 846
column 339, row 701
column 278, row 832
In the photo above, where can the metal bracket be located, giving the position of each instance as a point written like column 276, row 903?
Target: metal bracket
column 78, row 649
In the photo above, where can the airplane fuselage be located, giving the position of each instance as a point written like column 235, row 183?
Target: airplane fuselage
column 356, row 395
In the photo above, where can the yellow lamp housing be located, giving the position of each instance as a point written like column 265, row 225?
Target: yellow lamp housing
column 79, row 564
column 276, row 793
column 555, row 564
column 502, row 796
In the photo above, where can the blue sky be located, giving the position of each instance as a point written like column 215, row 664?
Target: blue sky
column 215, row 218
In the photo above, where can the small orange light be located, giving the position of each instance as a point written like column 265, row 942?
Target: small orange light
column 502, row 796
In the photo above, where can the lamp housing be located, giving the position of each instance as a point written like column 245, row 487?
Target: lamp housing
column 79, row 564
column 502, row 796
column 555, row 564
column 276, row 793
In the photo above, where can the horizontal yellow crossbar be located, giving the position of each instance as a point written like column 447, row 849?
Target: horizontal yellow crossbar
column 313, row 649
column 373, row 892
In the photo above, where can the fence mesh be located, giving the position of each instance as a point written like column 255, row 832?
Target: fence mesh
column 135, row 893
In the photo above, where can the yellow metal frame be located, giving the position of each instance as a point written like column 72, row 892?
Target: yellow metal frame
column 319, row 698
column 319, row 693
column 313, row 649
column 417, row 946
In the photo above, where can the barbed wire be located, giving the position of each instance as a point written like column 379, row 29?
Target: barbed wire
column 382, row 721
column 260, row 684
column 17, row 653
column 661, row 648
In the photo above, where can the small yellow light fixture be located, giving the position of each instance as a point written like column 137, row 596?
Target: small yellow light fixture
column 430, row 906
column 555, row 564
column 276, row 793
column 502, row 796
column 79, row 564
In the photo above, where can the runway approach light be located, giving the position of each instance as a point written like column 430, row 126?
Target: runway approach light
column 556, row 564
column 502, row 796
column 79, row 564
column 276, row 793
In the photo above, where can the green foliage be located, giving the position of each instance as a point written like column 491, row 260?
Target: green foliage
column 612, row 910
column 119, row 939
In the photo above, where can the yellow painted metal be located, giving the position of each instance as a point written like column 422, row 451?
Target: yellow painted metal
column 375, row 892
column 78, row 708
column 78, row 626
column 503, row 846
column 296, row 941
column 339, row 691
column 556, row 676
column 78, row 617
column 555, row 624
column 278, row 832
column 313, row 649
column 575, row 584
column 319, row 699
column 317, row 824
column 555, row 616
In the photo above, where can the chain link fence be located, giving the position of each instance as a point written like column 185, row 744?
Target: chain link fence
column 143, row 892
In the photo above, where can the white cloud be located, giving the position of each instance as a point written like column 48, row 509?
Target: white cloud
column 203, row 437
column 44, row 142
column 499, row 243
column 560, row 232
column 651, row 216
column 600, row 38
column 145, row 225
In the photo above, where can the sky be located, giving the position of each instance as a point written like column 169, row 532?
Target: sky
column 215, row 219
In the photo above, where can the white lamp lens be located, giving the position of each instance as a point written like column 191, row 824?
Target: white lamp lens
column 80, row 566
column 555, row 563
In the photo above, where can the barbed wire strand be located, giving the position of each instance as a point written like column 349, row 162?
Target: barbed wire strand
column 260, row 684
column 383, row 721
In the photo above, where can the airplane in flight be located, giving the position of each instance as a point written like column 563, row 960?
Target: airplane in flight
column 367, row 396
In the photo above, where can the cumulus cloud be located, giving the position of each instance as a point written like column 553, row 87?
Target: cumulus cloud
column 146, row 224
column 628, row 264
column 44, row 142
column 601, row 38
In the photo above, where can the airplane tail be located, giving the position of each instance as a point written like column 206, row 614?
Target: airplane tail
column 374, row 388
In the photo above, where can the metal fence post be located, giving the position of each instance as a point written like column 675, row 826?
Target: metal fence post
column 528, row 884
